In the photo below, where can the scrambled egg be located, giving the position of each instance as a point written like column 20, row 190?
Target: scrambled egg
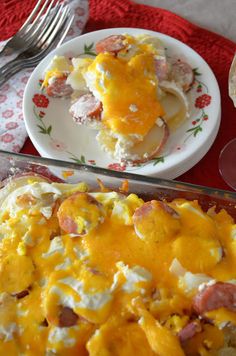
column 118, row 281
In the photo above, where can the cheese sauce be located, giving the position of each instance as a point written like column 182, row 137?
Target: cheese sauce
column 122, row 284
column 128, row 91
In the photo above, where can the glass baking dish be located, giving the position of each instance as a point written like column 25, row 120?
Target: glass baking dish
column 146, row 187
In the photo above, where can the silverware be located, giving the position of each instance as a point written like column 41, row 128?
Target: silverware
column 29, row 31
column 232, row 80
column 52, row 36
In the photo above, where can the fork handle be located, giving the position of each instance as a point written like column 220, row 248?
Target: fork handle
column 7, row 72
column 11, row 64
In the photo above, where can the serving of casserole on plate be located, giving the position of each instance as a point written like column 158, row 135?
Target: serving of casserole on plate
column 123, row 265
column 124, row 99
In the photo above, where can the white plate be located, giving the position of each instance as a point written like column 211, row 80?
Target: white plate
column 56, row 135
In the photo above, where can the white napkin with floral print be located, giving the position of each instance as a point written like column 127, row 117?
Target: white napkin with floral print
column 12, row 128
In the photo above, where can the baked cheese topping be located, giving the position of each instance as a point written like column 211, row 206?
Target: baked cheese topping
column 122, row 284
column 128, row 91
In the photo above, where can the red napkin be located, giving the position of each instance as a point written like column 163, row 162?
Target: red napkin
column 215, row 49
column 13, row 14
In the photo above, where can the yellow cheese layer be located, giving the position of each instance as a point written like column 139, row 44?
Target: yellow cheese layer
column 122, row 288
column 128, row 91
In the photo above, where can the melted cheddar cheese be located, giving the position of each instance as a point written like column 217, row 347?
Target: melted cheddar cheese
column 127, row 90
column 107, row 288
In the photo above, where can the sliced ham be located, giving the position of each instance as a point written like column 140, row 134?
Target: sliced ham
column 146, row 208
column 86, row 109
column 148, row 221
column 218, row 295
column 161, row 68
column 74, row 214
column 189, row 331
column 183, row 74
column 58, row 88
column 112, row 44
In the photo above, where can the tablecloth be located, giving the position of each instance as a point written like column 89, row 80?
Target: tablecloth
column 215, row 49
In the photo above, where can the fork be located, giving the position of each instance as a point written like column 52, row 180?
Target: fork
column 54, row 34
column 29, row 31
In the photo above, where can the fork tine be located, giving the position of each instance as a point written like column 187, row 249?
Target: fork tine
column 50, row 22
column 31, row 16
column 57, row 37
column 67, row 25
column 37, row 25
column 56, row 42
column 50, row 36
column 53, row 26
column 40, row 12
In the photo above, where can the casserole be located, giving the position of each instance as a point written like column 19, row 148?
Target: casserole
column 94, row 271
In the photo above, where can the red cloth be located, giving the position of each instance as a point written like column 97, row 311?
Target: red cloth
column 216, row 50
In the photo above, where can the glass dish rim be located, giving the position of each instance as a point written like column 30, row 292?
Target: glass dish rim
column 165, row 183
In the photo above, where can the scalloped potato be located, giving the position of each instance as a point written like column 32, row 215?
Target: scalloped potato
column 103, row 273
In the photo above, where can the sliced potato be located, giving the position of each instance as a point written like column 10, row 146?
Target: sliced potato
column 151, row 146
column 135, row 150
column 175, row 103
